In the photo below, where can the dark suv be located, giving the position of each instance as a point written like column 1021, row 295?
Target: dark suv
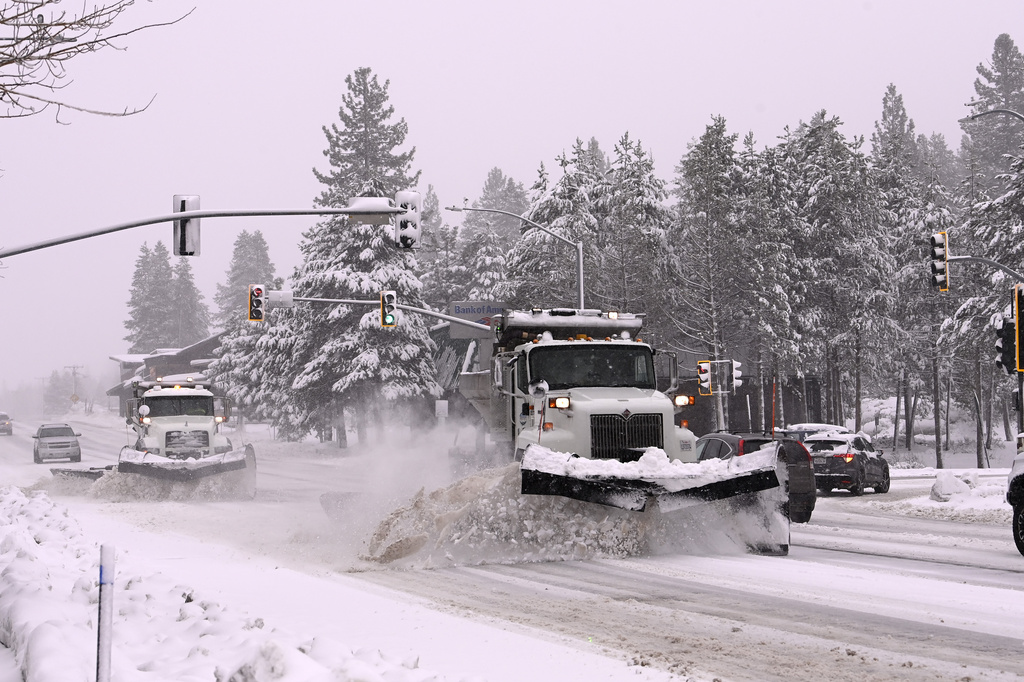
column 847, row 461
column 5, row 424
column 801, row 484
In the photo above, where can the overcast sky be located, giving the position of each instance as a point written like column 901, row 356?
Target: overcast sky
column 243, row 88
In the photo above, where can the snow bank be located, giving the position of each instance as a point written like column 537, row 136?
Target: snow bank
column 161, row 630
column 956, row 496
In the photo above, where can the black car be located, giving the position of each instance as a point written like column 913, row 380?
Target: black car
column 801, row 484
column 5, row 424
column 847, row 461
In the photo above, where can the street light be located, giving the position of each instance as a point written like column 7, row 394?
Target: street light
column 578, row 245
column 1017, row 116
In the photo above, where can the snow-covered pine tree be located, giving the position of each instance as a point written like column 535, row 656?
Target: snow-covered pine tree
column 342, row 357
column 1000, row 85
column 542, row 269
column 486, row 238
column 191, row 319
column 843, row 251
column 151, row 322
column 250, row 264
column 503, row 193
column 706, row 256
column 238, row 367
column 441, row 269
column 895, row 168
column 770, row 286
column 629, row 243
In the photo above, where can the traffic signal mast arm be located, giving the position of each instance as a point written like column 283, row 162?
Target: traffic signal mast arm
column 980, row 259
column 188, row 215
column 412, row 309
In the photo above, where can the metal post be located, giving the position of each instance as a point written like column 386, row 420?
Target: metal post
column 106, row 613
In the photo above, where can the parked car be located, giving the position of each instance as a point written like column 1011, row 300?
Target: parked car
column 847, row 461
column 801, row 483
column 5, row 424
column 56, row 441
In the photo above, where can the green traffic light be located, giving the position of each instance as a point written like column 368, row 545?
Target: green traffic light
column 389, row 319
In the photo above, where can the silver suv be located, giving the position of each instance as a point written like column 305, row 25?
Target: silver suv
column 56, row 441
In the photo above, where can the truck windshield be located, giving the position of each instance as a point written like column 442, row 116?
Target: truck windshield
column 171, row 406
column 572, row 366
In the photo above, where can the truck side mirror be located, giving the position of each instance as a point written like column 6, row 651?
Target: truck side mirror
column 538, row 389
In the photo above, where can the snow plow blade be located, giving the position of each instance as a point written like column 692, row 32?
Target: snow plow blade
column 92, row 473
column 132, row 461
column 633, row 485
column 634, row 495
column 229, row 475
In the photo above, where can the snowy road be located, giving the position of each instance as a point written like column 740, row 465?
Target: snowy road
column 862, row 596
column 875, row 588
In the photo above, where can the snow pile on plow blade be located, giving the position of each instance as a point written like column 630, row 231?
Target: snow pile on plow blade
column 633, row 485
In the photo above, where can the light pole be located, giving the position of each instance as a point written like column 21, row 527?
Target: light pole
column 1009, row 112
column 577, row 245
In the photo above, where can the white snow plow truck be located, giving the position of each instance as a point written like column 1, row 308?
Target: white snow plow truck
column 177, row 436
column 572, row 395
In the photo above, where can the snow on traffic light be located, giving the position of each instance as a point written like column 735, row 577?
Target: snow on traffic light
column 407, row 225
column 940, row 260
column 185, row 235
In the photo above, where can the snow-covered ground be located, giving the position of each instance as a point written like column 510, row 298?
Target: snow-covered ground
column 277, row 589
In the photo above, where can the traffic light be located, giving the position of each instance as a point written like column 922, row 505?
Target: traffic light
column 185, row 237
column 736, row 374
column 388, row 309
column 1006, row 346
column 940, row 261
column 407, row 225
column 257, row 302
column 704, row 378
column 1018, row 308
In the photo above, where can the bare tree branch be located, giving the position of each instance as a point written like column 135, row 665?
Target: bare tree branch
column 38, row 38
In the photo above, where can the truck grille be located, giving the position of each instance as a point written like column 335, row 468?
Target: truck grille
column 182, row 444
column 613, row 436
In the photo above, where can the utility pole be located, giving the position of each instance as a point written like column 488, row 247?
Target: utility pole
column 74, row 380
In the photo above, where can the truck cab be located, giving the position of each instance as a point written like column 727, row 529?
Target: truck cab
column 178, row 420
column 578, row 382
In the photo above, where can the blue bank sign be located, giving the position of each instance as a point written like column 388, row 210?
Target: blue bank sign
column 474, row 311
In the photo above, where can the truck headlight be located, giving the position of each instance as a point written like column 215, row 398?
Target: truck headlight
column 561, row 402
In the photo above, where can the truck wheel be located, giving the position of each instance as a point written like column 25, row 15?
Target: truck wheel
column 1018, row 527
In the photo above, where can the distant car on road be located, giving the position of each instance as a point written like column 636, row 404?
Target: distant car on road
column 802, row 495
column 56, row 441
column 847, row 461
column 5, row 424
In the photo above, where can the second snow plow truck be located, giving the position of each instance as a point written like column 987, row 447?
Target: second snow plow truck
column 572, row 395
column 178, row 439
